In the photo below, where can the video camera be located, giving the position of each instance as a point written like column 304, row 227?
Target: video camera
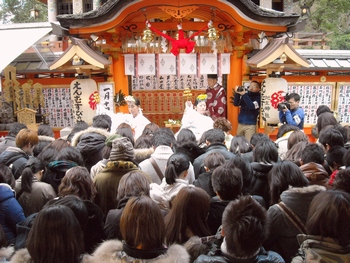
column 283, row 105
column 242, row 88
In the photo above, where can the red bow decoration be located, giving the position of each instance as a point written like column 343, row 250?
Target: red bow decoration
column 182, row 42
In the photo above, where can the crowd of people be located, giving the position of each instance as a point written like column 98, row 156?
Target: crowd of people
column 122, row 196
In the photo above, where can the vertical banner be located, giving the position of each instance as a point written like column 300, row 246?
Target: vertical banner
column 129, row 64
column 188, row 64
column 106, row 93
column 208, row 63
column 85, row 99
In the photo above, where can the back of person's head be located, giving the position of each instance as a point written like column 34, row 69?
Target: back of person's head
column 124, row 125
column 80, row 126
column 244, row 224
column 162, row 136
column 26, row 136
column 244, row 166
column 45, row 130
column 50, row 151
column 257, row 137
column 313, row 153
column 295, row 137
column 55, row 236
column 283, row 175
column 346, row 158
column 213, row 160
column 321, row 109
column 150, row 128
column 227, row 182
column 203, row 139
column 222, row 124
column 177, row 164
column 343, row 131
column 329, row 216
column 294, row 96
column 184, row 136
column 78, row 182
column 128, row 133
column 325, row 119
column 143, row 142
column 294, row 153
column 265, row 152
column 6, row 176
column 142, row 224
column 330, row 138
column 240, row 144
column 215, row 136
column 334, row 157
column 189, row 212
column 342, row 180
column 15, row 128
column 122, row 150
column 98, row 121
column 134, row 183
column 286, row 128
column 70, row 153
column 33, row 166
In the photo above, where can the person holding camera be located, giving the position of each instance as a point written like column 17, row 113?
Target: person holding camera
column 248, row 99
column 216, row 101
column 290, row 112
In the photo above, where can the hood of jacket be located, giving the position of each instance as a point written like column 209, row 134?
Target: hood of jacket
column 85, row 133
column 21, row 256
column 44, row 138
column 6, row 192
column 6, row 252
column 11, row 154
column 111, row 251
column 315, row 173
column 142, row 154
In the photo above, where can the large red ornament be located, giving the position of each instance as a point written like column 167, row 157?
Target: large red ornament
column 182, row 42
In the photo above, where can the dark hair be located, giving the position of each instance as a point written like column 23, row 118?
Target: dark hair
column 78, row 182
column 33, row 166
column 3, row 240
column 257, row 137
column 26, row 136
column 240, row 144
column 321, row 109
column 185, row 135
column 45, row 130
column 123, row 125
column 332, row 137
column 295, row 137
column 6, row 176
column 143, row 142
column 80, row 126
column 163, row 136
column 281, row 176
column 343, row 131
column 105, row 117
column 245, row 225
column 142, row 223
column 346, row 158
column 126, row 132
column 313, row 153
column 342, row 180
column 176, row 165
column 203, row 138
column 106, row 152
column 70, row 153
column 329, row 216
column 265, row 152
column 325, row 119
column 134, row 183
column 50, row 151
column 215, row 136
column 294, row 153
column 15, row 128
column 213, row 160
column 244, row 166
column 223, row 124
column 55, row 236
column 293, row 95
column 286, row 128
column 257, row 82
column 334, row 156
column 150, row 128
column 189, row 212
column 227, row 182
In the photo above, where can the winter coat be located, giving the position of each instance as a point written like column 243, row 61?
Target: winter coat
column 90, row 143
column 16, row 159
column 7, row 142
column 107, row 182
column 98, row 167
column 204, row 182
column 191, row 150
column 11, row 212
column 34, row 201
column 43, row 141
column 259, row 185
column 282, row 234
column 23, row 256
column 315, row 173
column 113, row 251
column 198, row 163
column 112, row 224
column 142, row 154
column 6, row 253
column 293, row 117
column 249, row 107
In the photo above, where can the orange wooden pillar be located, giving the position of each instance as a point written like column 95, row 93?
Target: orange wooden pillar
column 119, row 78
column 234, row 79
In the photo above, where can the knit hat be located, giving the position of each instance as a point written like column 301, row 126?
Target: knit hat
column 122, row 149
column 111, row 138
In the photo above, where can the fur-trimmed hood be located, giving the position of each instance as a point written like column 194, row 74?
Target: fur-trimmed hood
column 142, row 154
column 307, row 189
column 76, row 138
column 21, row 256
column 7, row 252
column 111, row 251
column 45, row 138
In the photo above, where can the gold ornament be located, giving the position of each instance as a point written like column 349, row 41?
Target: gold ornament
column 147, row 35
column 213, row 34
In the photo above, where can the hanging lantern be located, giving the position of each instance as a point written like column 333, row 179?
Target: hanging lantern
column 147, row 35
column 213, row 34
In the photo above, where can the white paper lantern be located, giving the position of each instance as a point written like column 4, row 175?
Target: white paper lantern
column 84, row 99
column 273, row 91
